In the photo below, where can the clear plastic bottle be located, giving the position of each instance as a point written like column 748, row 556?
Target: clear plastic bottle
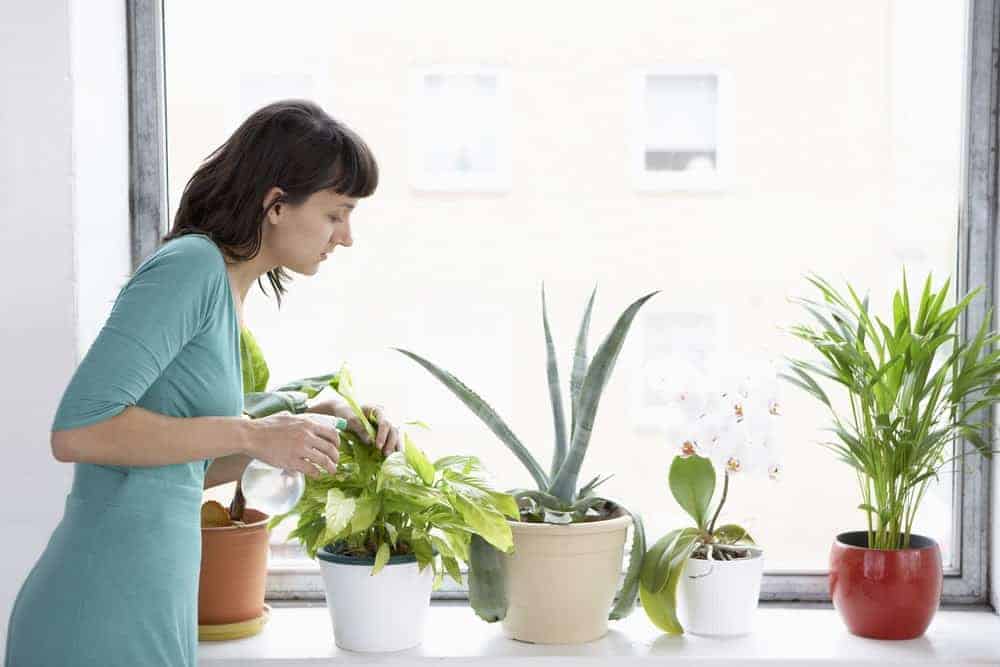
column 274, row 490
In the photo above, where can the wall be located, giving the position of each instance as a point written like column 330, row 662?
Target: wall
column 63, row 241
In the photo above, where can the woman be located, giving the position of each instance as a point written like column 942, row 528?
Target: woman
column 153, row 412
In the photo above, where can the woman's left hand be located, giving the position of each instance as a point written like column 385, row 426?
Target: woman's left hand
column 386, row 435
column 387, row 438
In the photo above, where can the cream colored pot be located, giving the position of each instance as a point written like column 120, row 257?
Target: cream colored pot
column 562, row 580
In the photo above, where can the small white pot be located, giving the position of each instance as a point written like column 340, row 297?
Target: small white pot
column 386, row 612
column 719, row 598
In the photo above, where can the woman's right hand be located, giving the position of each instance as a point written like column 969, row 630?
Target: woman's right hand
column 296, row 442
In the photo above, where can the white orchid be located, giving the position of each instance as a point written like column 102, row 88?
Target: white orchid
column 731, row 417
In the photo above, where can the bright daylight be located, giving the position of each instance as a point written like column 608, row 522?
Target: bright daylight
column 489, row 333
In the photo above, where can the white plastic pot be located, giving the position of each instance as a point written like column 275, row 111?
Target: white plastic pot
column 719, row 598
column 385, row 612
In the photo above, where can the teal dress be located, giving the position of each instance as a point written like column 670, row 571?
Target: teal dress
column 117, row 584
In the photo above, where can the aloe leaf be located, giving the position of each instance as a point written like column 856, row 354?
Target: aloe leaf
column 692, row 483
column 580, row 362
column 564, row 484
column 588, row 488
column 630, row 587
column 263, row 404
column 555, row 394
column 487, row 581
column 487, row 414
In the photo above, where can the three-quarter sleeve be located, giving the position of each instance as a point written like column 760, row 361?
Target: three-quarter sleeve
column 165, row 304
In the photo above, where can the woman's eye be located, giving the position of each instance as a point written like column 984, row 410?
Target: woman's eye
column 334, row 219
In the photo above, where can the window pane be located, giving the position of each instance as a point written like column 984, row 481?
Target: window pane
column 842, row 153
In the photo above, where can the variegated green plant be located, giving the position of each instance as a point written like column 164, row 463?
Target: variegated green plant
column 376, row 506
column 557, row 499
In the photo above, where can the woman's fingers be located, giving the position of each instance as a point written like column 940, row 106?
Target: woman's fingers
column 392, row 443
column 323, row 460
column 383, row 432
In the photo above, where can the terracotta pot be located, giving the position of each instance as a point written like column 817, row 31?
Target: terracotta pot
column 562, row 579
column 885, row 594
column 233, row 571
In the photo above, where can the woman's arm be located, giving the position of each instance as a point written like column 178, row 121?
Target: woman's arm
column 140, row 437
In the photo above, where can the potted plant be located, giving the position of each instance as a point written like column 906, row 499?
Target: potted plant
column 387, row 529
column 705, row 579
column 914, row 387
column 559, row 584
column 235, row 541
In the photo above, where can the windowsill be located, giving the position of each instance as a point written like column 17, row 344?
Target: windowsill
column 795, row 634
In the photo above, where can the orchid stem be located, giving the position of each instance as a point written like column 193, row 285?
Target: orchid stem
column 722, row 501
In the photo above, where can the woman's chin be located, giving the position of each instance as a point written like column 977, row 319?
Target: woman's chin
column 305, row 270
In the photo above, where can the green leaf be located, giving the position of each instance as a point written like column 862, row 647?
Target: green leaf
column 580, row 362
column 252, row 363
column 692, row 482
column 661, row 571
column 555, row 394
column 264, row 404
column 486, row 522
column 733, row 534
column 344, row 385
column 310, row 386
column 381, row 558
column 630, row 586
column 338, row 513
column 485, row 413
column 418, row 461
column 487, row 581
column 564, row 485
column 422, row 549
column 452, row 568
column 365, row 511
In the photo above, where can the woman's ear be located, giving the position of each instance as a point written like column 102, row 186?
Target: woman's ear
column 273, row 200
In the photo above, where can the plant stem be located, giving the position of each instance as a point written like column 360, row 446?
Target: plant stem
column 722, row 501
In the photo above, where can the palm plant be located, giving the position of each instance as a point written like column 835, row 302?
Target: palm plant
column 913, row 385
column 557, row 498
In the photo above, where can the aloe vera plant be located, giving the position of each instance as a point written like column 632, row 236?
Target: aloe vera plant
column 557, row 498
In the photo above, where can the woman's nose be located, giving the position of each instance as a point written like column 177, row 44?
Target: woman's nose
column 345, row 238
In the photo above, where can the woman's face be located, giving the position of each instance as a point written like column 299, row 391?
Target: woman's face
column 299, row 237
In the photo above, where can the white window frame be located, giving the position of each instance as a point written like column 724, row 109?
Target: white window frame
column 977, row 223
column 422, row 180
column 667, row 181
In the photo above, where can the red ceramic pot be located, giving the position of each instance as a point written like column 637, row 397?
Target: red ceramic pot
column 885, row 594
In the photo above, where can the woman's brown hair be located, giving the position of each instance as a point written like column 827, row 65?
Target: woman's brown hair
column 293, row 145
